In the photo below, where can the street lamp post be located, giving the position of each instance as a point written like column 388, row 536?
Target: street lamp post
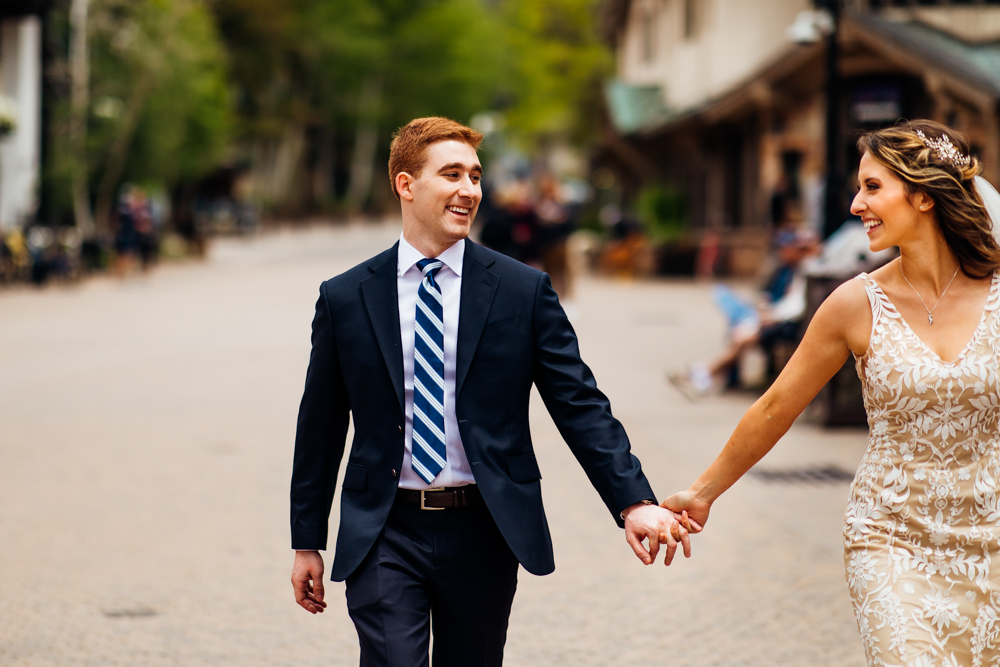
column 833, row 215
column 809, row 27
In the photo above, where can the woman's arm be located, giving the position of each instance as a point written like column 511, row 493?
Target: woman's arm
column 841, row 325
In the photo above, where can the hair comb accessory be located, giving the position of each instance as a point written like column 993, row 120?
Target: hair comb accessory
column 945, row 150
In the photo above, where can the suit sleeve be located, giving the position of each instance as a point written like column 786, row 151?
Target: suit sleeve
column 320, row 437
column 580, row 411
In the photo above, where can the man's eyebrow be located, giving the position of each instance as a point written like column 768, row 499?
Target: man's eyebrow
column 459, row 165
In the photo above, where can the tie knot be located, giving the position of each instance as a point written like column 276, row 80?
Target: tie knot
column 430, row 266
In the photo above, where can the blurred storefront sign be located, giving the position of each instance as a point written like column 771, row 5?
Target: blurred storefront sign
column 876, row 104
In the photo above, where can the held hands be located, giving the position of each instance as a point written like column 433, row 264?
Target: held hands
column 657, row 525
column 678, row 516
column 307, row 580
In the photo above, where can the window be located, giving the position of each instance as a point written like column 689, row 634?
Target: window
column 649, row 33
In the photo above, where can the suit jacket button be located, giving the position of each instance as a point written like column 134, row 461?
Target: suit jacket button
column 400, row 428
column 393, row 472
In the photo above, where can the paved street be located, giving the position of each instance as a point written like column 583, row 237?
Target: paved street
column 146, row 433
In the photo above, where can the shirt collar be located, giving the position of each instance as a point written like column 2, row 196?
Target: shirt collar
column 408, row 256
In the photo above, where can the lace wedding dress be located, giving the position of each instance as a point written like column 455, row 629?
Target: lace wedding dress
column 923, row 522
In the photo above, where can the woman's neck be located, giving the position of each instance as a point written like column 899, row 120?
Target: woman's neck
column 929, row 262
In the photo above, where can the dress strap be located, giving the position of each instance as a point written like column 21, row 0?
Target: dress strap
column 870, row 287
column 881, row 306
column 993, row 300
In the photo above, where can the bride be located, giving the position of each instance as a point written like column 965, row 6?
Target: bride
column 923, row 520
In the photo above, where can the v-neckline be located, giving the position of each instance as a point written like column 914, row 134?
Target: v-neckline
column 913, row 334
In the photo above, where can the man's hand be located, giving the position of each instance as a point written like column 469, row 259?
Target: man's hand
column 655, row 524
column 307, row 580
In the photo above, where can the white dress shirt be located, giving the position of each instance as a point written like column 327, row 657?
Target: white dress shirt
column 457, row 471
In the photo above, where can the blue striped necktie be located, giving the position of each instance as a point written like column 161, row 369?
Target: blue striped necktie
column 428, row 448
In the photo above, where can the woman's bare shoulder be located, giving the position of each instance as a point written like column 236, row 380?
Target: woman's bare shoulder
column 846, row 314
column 850, row 298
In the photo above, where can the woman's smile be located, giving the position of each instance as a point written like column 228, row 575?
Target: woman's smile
column 871, row 224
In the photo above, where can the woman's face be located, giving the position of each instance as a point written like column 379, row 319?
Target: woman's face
column 889, row 213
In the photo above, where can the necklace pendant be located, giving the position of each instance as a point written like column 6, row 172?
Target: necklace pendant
column 930, row 319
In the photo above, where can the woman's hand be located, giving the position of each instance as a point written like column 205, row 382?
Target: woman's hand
column 689, row 509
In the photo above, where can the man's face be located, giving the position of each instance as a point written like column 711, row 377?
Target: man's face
column 444, row 198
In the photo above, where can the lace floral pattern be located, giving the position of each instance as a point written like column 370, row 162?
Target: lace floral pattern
column 923, row 520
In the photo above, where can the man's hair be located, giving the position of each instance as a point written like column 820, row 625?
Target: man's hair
column 408, row 152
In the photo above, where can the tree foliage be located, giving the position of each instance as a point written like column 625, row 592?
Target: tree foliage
column 558, row 63
column 307, row 61
column 159, row 109
column 178, row 86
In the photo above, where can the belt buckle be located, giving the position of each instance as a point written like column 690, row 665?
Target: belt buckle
column 423, row 499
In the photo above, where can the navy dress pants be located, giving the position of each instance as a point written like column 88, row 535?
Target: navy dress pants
column 449, row 571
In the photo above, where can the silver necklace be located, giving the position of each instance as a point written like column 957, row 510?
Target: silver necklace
column 930, row 316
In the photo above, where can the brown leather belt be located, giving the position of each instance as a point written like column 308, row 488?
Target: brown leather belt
column 441, row 498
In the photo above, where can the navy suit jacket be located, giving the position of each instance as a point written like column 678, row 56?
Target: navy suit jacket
column 512, row 333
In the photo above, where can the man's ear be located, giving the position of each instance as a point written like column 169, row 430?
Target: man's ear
column 404, row 186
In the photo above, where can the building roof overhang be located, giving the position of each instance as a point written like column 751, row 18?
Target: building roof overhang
column 971, row 71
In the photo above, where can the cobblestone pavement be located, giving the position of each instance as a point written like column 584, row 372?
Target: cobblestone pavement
column 145, row 446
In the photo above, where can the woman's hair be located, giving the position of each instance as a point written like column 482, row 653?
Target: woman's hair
column 930, row 158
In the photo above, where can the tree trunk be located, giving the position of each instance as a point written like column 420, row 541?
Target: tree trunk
column 365, row 143
column 323, row 170
column 119, row 150
column 287, row 171
column 80, row 89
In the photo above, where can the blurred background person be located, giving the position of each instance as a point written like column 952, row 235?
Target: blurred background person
column 146, row 232
column 626, row 244
column 6, row 260
column 531, row 220
column 555, row 225
column 511, row 224
column 126, row 240
column 776, row 317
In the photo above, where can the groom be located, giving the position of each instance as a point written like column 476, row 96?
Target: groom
column 433, row 347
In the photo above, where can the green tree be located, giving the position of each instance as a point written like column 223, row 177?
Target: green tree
column 295, row 66
column 558, row 63
column 348, row 72
column 160, row 109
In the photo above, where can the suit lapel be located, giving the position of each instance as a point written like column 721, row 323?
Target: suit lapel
column 381, row 301
column 479, row 285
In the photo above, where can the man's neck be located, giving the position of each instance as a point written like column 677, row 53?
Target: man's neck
column 427, row 247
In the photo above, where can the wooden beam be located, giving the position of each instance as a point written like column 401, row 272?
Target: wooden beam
column 905, row 60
